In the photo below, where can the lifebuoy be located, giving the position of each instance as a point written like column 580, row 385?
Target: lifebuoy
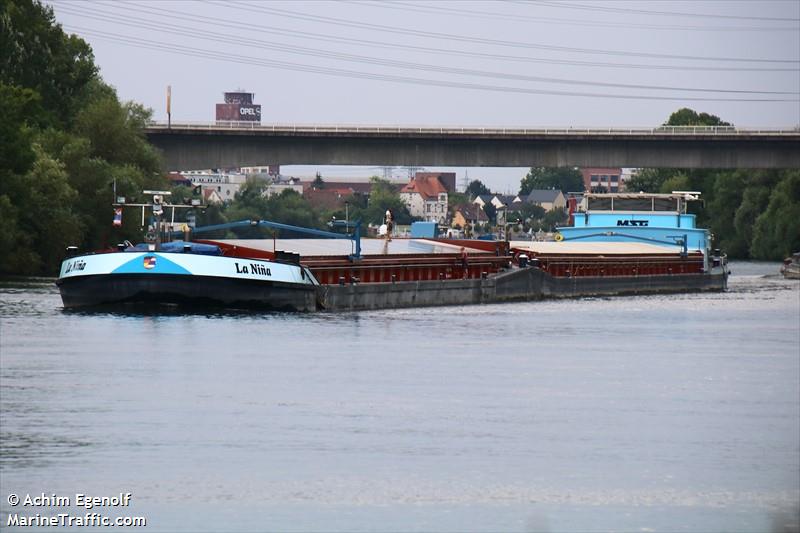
column 558, row 237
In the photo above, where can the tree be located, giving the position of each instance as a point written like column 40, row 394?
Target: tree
column 476, row 188
column 318, row 183
column 38, row 55
column 382, row 197
column 689, row 117
column 289, row 207
column 490, row 210
column 554, row 218
column 678, row 182
column 564, row 179
column 65, row 139
column 457, row 198
column 44, row 224
column 648, row 180
column 530, row 211
column 21, row 109
column 777, row 230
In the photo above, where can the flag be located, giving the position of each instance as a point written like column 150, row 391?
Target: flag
column 118, row 216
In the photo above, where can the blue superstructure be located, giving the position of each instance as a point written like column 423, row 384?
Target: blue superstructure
column 659, row 219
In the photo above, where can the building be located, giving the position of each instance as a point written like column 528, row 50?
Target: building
column 468, row 215
column 327, row 198
column 602, row 179
column 278, row 184
column 505, row 200
column 448, row 179
column 226, row 185
column 625, row 176
column 269, row 170
column 211, row 196
column 239, row 107
column 548, row 199
column 482, row 199
column 176, row 178
column 509, row 201
column 426, row 198
column 361, row 187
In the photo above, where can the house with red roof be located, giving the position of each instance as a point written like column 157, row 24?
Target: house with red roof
column 328, row 199
column 426, row 197
column 211, row 196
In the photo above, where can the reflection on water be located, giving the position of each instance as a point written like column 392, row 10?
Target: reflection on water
column 677, row 412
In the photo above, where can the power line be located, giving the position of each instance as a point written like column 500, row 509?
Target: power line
column 299, row 67
column 224, row 38
column 432, row 8
column 218, row 21
column 497, row 42
column 610, row 9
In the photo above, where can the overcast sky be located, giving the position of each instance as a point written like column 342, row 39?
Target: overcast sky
column 475, row 63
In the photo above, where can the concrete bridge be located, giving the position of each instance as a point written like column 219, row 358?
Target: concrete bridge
column 195, row 146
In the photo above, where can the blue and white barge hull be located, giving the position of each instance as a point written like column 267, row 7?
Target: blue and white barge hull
column 185, row 278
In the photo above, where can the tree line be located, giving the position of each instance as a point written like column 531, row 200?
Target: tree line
column 65, row 140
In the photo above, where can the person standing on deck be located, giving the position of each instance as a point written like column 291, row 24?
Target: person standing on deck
column 388, row 219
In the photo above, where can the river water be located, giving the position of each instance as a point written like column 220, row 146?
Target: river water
column 650, row 413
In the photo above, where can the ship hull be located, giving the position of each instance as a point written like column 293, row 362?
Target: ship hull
column 185, row 279
column 195, row 291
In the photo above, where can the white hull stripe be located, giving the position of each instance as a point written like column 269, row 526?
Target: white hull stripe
column 155, row 263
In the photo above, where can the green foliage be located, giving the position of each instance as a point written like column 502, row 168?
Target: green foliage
column 38, row 55
column 457, row 198
column 648, row 180
column 754, row 202
column 383, row 197
column 530, row 212
column 777, row 230
column 476, row 188
column 64, row 140
column 115, row 133
column 491, row 211
column 44, row 224
column 689, row 117
column 288, row 207
column 552, row 219
column 728, row 190
column 564, row 179
column 678, row 182
column 21, row 112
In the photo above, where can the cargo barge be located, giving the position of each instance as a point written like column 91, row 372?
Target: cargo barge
column 617, row 245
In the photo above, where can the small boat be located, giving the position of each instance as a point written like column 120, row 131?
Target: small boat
column 791, row 266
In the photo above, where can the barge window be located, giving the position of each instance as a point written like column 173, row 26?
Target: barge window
column 648, row 203
column 665, row 204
